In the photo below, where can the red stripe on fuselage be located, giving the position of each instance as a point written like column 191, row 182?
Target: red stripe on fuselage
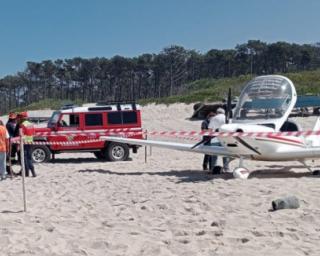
column 282, row 139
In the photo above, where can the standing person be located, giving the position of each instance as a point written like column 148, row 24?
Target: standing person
column 11, row 126
column 215, row 123
column 207, row 139
column 4, row 146
column 28, row 133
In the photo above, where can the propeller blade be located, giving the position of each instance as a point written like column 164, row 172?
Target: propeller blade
column 228, row 107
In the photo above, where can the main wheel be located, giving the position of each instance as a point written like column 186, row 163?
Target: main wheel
column 40, row 153
column 241, row 173
column 117, row 151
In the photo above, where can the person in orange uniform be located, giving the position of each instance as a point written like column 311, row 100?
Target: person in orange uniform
column 28, row 133
column 4, row 147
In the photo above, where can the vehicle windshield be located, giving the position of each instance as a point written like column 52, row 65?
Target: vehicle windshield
column 264, row 98
column 53, row 119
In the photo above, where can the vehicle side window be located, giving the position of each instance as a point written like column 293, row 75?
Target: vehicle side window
column 69, row 120
column 129, row 117
column 122, row 117
column 93, row 119
column 114, row 118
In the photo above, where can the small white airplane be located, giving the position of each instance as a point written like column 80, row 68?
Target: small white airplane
column 264, row 106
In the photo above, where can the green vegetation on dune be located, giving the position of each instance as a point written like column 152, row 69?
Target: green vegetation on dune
column 209, row 90
column 175, row 74
column 205, row 90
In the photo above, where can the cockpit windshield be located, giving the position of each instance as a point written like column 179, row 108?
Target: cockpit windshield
column 266, row 97
column 53, row 119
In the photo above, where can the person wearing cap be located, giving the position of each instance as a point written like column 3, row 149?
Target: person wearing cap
column 11, row 126
column 215, row 123
column 206, row 139
column 4, row 147
column 27, row 130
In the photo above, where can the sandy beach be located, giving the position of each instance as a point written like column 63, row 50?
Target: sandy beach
column 167, row 206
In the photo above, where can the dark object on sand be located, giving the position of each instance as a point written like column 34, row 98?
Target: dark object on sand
column 289, row 202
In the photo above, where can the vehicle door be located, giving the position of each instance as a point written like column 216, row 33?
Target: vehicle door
column 93, row 124
column 68, row 130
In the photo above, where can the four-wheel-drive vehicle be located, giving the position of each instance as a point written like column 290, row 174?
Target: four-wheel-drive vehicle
column 72, row 124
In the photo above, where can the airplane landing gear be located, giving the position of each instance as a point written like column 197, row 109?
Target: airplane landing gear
column 315, row 172
column 241, row 173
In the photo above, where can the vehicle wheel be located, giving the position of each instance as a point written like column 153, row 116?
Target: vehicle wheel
column 117, row 151
column 40, row 154
column 99, row 155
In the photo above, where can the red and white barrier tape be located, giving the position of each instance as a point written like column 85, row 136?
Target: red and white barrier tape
column 57, row 142
column 80, row 133
column 233, row 134
column 134, row 131
column 186, row 135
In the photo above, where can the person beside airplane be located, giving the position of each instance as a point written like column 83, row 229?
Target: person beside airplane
column 207, row 139
column 214, row 125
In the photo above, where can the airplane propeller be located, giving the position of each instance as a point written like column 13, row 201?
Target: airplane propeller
column 228, row 107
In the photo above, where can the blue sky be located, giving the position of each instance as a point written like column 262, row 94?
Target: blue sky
column 36, row 30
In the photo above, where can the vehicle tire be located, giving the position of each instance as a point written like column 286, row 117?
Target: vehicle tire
column 40, row 154
column 99, row 155
column 117, row 152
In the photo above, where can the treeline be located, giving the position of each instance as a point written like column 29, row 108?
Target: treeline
column 149, row 75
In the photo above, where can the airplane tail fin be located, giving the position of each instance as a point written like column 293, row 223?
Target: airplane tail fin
column 316, row 126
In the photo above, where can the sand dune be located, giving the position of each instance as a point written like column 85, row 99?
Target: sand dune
column 167, row 206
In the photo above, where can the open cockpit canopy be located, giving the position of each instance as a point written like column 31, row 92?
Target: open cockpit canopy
column 266, row 99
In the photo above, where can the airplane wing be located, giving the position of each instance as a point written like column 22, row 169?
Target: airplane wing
column 202, row 149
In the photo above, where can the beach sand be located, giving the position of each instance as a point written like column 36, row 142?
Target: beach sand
column 167, row 206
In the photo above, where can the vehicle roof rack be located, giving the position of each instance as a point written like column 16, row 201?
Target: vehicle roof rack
column 69, row 106
column 118, row 103
column 100, row 108
column 115, row 102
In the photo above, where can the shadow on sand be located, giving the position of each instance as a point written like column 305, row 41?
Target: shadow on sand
column 183, row 175
column 8, row 211
column 201, row 176
column 79, row 160
column 283, row 172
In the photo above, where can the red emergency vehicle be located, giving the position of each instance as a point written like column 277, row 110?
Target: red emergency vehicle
column 73, row 124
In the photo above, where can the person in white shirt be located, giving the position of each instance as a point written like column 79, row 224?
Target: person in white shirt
column 215, row 123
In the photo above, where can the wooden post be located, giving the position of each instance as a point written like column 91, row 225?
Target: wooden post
column 145, row 149
column 23, row 172
column 9, row 159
